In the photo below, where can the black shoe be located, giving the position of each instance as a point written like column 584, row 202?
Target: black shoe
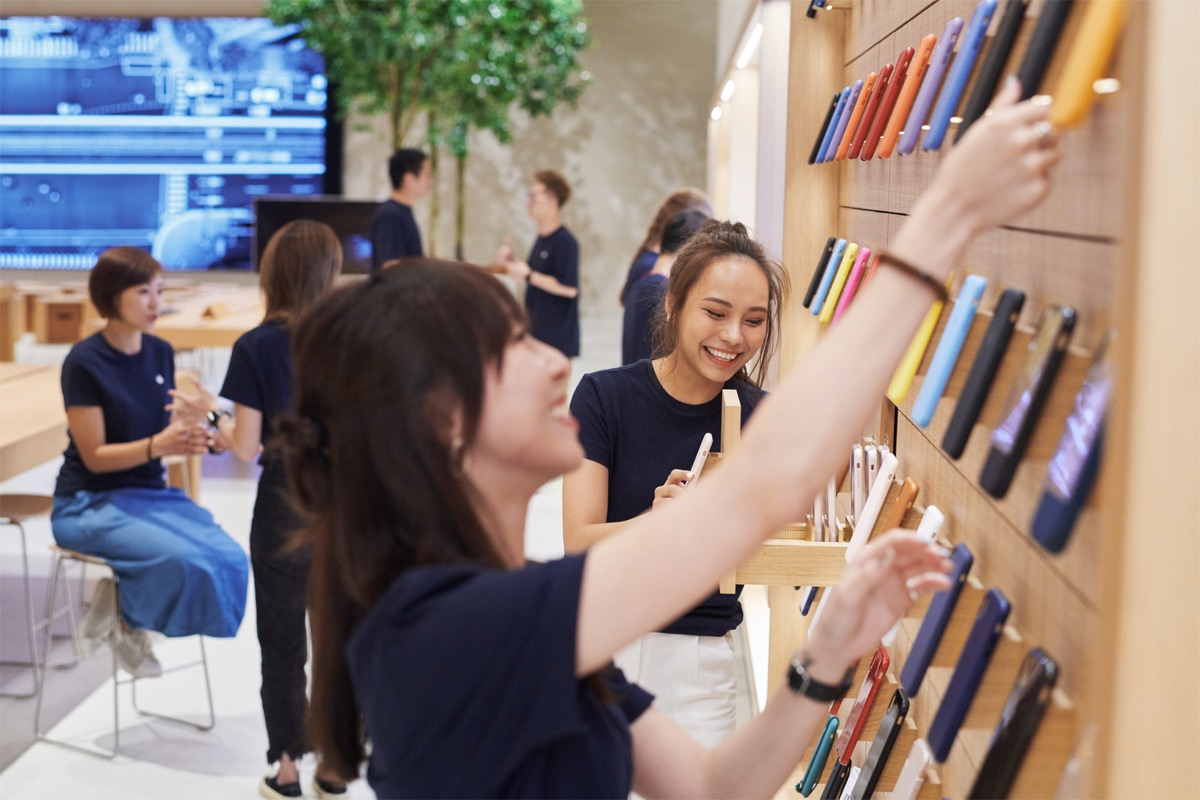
column 271, row 789
column 323, row 788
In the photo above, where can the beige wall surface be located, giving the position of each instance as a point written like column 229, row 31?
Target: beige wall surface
column 638, row 133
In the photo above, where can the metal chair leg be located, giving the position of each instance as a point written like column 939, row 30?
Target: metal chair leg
column 31, row 625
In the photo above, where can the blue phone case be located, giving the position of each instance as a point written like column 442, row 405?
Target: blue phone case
column 941, row 606
column 837, row 116
column 820, row 755
column 960, row 73
column 843, row 120
column 835, row 258
column 933, row 80
column 972, row 662
column 1055, row 518
column 806, row 606
column 948, row 350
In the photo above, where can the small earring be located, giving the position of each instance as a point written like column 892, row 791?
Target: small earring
column 456, row 452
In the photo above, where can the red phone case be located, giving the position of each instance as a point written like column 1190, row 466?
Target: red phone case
column 899, row 75
column 862, row 704
column 868, row 117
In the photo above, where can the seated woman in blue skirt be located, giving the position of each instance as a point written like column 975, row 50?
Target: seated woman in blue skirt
column 180, row 574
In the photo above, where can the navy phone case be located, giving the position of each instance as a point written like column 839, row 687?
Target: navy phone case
column 941, row 606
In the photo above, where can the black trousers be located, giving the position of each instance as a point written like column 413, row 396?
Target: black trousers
column 280, row 579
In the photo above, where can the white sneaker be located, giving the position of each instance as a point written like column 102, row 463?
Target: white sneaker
column 134, row 654
column 101, row 615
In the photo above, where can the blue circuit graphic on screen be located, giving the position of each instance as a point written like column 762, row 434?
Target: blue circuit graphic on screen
column 157, row 133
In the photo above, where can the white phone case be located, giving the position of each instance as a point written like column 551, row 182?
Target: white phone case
column 858, row 490
column 928, row 529
column 701, row 457
column 912, row 775
column 879, row 490
column 831, row 528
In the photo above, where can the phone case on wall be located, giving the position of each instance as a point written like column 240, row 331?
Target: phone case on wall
column 941, row 606
column 1041, row 46
column 839, row 281
column 831, row 268
column 858, row 480
column 909, row 490
column 876, row 494
column 881, row 746
column 844, row 119
column 912, row 774
column 993, row 65
column 983, row 371
column 809, row 596
column 1026, row 399
column 819, row 271
column 864, row 98
column 929, row 87
column 852, row 730
column 949, row 347
column 816, row 766
column 911, row 360
column 852, row 282
column 968, row 672
column 837, row 781
column 960, row 73
column 1090, row 53
column 833, row 122
column 816, row 148
column 1073, row 468
column 912, row 85
column 888, row 104
column 868, row 117
column 1023, row 712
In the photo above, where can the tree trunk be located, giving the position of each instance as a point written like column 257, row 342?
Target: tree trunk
column 435, row 202
column 460, row 206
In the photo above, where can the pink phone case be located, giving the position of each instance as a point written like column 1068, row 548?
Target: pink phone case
column 856, row 273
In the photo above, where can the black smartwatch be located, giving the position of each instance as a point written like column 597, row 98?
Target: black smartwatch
column 214, row 417
column 802, row 683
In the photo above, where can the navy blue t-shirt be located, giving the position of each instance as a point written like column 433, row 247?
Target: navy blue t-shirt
column 629, row 424
column 641, row 306
column 641, row 265
column 131, row 391
column 465, row 677
column 394, row 233
column 260, row 373
column 553, row 319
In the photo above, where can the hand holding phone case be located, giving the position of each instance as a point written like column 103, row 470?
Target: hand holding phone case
column 907, row 370
column 929, row 87
column 819, row 272
column 917, row 71
column 968, row 672
column 832, row 126
column 1026, row 399
column 831, row 268
column 927, row 529
column 993, row 65
column 844, row 120
column 816, row 766
column 868, row 118
column 1090, row 53
column 852, row 282
column 816, row 148
column 699, row 461
column 839, row 281
column 948, row 350
column 941, row 606
column 1041, row 46
column 864, row 97
column 983, row 371
column 960, row 73
column 881, row 746
column 888, row 104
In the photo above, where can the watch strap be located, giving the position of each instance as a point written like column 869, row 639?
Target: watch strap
column 802, row 683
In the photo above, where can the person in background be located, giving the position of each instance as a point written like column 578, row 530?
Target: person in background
column 646, row 296
column 179, row 573
column 394, row 232
column 300, row 263
column 551, row 274
column 643, row 261
column 641, row 425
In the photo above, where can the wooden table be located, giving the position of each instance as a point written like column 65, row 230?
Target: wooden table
column 33, row 423
column 204, row 315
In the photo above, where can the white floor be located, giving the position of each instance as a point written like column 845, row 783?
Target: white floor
column 164, row 760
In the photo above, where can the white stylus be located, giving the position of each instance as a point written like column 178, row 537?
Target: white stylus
column 875, row 498
column 701, row 457
column 928, row 529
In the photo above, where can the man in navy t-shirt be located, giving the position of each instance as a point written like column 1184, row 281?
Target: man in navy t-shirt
column 551, row 274
column 394, row 232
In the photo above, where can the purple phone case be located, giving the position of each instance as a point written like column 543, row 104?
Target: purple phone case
column 938, row 61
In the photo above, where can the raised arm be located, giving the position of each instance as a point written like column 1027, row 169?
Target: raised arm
column 667, row 561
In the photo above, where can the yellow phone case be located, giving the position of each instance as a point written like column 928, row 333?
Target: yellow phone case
column 903, row 376
column 1085, row 64
column 839, row 281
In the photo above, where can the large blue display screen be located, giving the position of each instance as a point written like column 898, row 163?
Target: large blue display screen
column 157, row 133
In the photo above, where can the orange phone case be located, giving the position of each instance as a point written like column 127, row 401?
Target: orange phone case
column 916, row 74
column 904, row 501
column 855, row 116
column 1089, row 56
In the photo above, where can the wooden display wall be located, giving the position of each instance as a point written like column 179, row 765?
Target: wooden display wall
column 1065, row 252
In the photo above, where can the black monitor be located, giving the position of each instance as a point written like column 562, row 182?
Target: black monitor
column 350, row 220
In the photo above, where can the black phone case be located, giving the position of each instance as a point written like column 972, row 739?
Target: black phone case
column 1023, row 712
column 837, row 781
column 1054, row 518
column 812, row 157
column 941, row 606
column 993, row 66
column 816, row 278
column 983, row 371
column 1041, row 46
column 968, row 672
column 881, row 746
column 999, row 468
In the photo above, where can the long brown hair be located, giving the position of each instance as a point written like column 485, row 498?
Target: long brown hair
column 715, row 240
column 680, row 200
column 381, row 367
column 299, row 263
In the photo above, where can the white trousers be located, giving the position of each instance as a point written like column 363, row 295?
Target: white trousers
column 693, row 680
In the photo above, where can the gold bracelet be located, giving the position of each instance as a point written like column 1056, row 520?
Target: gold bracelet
column 935, row 286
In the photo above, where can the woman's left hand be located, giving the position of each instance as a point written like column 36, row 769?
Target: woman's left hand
column 192, row 407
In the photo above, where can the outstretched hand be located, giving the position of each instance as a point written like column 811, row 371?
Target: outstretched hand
column 877, row 587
